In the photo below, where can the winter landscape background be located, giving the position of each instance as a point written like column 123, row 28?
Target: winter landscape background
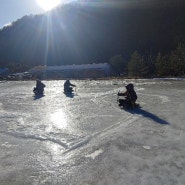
column 87, row 139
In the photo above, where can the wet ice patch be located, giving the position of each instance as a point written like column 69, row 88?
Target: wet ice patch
column 6, row 145
column 1, row 105
column 146, row 83
column 147, row 147
column 170, row 79
column 140, row 89
column 21, row 121
column 95, row 154
column 164, row 99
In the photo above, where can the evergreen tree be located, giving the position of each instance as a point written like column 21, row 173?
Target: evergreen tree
column 136, row 66
column 149, row 65
column 162, row 65
column 177, row 61
column 118, row 64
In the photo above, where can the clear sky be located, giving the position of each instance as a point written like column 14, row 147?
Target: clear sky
column 11, row 10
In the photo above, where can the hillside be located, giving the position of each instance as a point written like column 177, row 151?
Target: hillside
column 93, row 32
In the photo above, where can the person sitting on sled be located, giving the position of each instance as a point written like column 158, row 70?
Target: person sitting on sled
column 68, row 86
column 39, row 89
column 131, row 97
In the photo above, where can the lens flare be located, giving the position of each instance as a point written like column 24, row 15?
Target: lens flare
column 48, row 4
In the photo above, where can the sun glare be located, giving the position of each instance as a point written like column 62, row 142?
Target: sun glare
column 59, row 119
column 48, row 4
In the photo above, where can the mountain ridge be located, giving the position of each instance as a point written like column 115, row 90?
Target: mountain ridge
column 79, row 33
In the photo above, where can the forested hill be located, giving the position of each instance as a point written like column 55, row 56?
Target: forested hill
column 92, row 33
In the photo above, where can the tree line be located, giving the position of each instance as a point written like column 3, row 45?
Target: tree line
column 76, row 34
column 169, row 65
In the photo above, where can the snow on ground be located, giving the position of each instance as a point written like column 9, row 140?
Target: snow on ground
column 87, row 139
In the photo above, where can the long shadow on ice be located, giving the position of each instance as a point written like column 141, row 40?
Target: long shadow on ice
column 69, row 95
column 149, row 115
column 36, row 97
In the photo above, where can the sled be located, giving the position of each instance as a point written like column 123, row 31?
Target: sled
column 69, row 94
column 135, row 106
column 123, row 103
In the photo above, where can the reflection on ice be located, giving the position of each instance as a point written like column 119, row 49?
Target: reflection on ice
column 89, row 139
column 59, row 119
column 95, row 154
column 147, row 147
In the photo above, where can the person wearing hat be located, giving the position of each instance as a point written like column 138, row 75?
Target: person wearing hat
column 130, row 97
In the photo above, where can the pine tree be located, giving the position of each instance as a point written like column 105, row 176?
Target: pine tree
column 177, row 61
column 136, row 66
column 118, row 64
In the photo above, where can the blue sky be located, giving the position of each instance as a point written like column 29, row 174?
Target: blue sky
column 11, row 10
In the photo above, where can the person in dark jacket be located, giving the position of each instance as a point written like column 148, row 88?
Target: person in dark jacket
column 130, row 97
column 39, row 89
column 68, row 86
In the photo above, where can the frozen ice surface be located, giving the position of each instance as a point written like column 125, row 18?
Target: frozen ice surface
column 86, row 139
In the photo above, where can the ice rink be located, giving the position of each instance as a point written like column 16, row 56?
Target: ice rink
column 87, row 139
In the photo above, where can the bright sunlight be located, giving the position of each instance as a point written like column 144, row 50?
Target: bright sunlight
column 48, row 4
column 59, row 119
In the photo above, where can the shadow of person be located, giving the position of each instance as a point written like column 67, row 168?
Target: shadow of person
column 38, row 96
column 69, row 95
column 149, row 115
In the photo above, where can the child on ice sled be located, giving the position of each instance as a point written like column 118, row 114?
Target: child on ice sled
column 130, row 97
column 68, row 86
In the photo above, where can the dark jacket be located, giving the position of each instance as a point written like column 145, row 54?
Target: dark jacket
column 40, row 86
column 130, row 95
column 67, row 85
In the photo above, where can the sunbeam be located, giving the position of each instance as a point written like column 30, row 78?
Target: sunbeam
column 48, row 4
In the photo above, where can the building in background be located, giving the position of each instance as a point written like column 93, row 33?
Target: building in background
column 72, row 71
column 4, row 72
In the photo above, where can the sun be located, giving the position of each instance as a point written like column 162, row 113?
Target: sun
column 48, row 4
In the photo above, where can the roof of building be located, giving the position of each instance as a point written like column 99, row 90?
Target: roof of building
column 79, row 67
column 2, row 70
column 103, row 66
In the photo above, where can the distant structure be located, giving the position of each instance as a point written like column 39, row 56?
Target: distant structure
column 72, row 71
column 4, row 72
